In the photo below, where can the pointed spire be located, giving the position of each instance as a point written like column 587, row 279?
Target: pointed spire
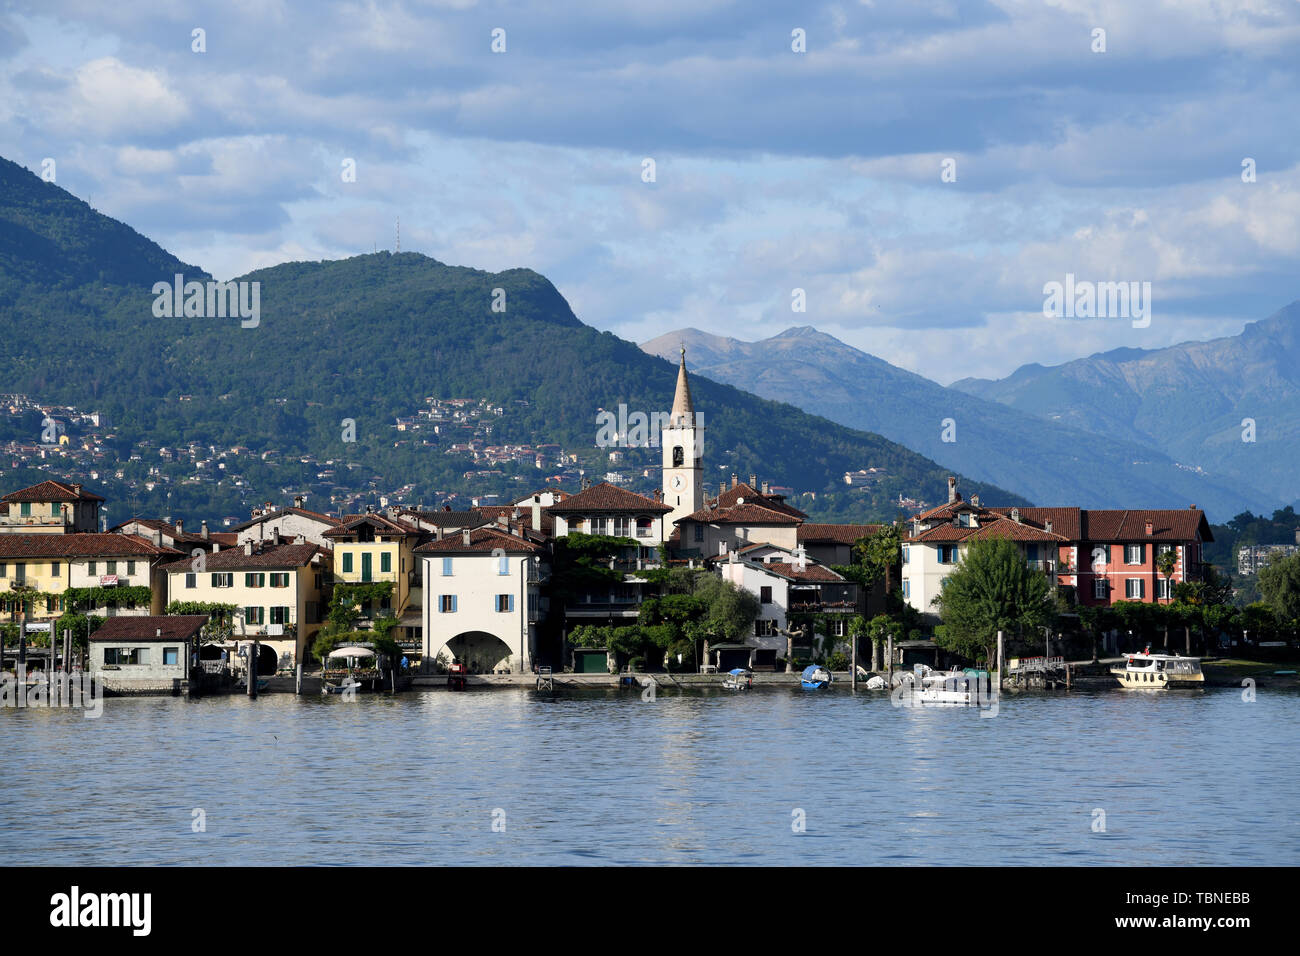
column 683, row 408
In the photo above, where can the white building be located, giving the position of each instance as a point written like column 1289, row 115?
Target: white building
column 481, row 598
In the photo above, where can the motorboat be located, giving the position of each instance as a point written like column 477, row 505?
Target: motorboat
column 815, row 677
column 1147, row 671
column 738, row 678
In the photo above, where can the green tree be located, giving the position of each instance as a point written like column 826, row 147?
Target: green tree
column 992, row 589
column 1279, row 585
column 878, row 554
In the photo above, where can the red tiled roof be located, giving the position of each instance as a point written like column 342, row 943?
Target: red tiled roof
column 747, row 514
column 836, row 533
column 174, row 627
column 51, row 490
column 277, row 557
column 481, row 541
column 605, row 497
column 811, row 572
column 86, row 545
column 731, row 496
column 382, row 523
column 272, row 515
column 525, row 515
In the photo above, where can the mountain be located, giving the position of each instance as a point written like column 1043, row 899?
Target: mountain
column 207, row 416
column 1047, row 461
column 1189, row 401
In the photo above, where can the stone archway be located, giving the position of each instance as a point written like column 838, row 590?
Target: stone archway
column 480, row 652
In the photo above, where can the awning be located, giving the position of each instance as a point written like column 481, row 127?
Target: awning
column 350, row 651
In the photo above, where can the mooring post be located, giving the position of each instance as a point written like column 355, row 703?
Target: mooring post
column 889, row 649
column 252, row 670
column 853, row 664
column 297, row 678
column 998, row 672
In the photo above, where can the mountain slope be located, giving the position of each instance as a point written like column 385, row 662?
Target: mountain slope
column 1187, row 400
column 365, row 339
column 1046, row 461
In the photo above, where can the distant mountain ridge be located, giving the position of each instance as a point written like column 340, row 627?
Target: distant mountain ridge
column 1049, row 462
column 1195, row 401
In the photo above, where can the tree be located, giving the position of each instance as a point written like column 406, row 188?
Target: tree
column 992, row 589
column 1279, row 585
column 879, row 553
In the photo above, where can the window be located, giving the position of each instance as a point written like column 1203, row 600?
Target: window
column 110, row 567
column 765, row 594
column 130, row 567
column 503, row 564
column 120, row 656
column 446, row 567
column 90, row 568
column 679, row 456
column 279, row 615
column 223, row 579
column 254, row 579
column 4, row 570
column 385, row 561
column 1164, row 589
column 280, row 579
column 598, row 526
column 622, row 528
column 505, row 603
column 347, row 562
column 25, row 509
column 254, row 615
column 191, row 581
column 764, row 628
column 1099, row 588
column 906, row 553
column 54, row 569
column 56, row 510
column 948, row 554
column 1135, row 553
column 1133, row 588
column 447, row 603
column 171, row 655
column 699, row 532
column 907, row 589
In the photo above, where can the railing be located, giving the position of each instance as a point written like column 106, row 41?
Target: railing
column 814, row 607
column 1040, row 565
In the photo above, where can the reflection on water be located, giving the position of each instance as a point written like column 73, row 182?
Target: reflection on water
column 601, row 776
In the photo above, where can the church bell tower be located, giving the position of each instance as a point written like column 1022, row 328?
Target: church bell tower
column 682, row 442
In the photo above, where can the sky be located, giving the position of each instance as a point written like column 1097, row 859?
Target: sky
column 1135, row 141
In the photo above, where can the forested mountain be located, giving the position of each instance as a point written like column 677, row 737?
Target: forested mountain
column 366, row 340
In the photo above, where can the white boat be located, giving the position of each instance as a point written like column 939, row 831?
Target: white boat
column 738, row 678
column 926, row 687
column 1147, row 671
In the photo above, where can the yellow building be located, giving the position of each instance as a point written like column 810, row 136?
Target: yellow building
column 52, row 507
column 374, row 548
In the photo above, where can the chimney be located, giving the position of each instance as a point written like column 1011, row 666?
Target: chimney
column 216, row 546
column 1015, row 514
column 734, row 480
column 297, row 501
column 952, row 489
column 203, row 530
column 300, row 540
column 437, row 533
column 157, row 538
column 180, row 525
column 753, row 481
column 767, row 488
column 76, row 489
column 248, row 549
column 157, row 632
column 1048, row 525
column 537, row 512
column 503, row 520
column 464, row 536
column 975, row 500
column 1149, row 528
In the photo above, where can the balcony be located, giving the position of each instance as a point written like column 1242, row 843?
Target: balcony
column 1047, row 567
column 33, row 521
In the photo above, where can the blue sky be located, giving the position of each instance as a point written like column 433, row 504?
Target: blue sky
column 775, row 170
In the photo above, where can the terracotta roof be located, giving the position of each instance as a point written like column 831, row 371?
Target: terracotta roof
column 811, row 572
column 836, row 533
column 278, row 557
column 525, row 515
column 86, row 545
column 605, row 497
column 752, row 495
column 51, row 490
column 991, row 526
column 382, row 523
column 747, row 514
column 174, row 627
column 280, row 512
column 447, row 519
column 1167, row 524
column 481, row 541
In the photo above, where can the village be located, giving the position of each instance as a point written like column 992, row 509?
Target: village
column 597, row 580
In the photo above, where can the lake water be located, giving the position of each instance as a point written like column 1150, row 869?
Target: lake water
column 698, row 776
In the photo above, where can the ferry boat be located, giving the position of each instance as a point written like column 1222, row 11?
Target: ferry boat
column 1147, row 671
column 815, row 677
column 738, row 678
